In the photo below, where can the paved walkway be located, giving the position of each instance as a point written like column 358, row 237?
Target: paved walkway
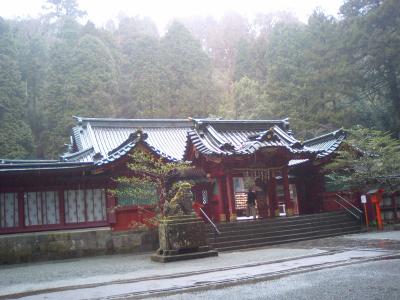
column 385, row 235
column 124, row 274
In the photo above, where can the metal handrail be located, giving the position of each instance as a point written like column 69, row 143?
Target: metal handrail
column 347, row 209
column 211, row 222
column 349, row 203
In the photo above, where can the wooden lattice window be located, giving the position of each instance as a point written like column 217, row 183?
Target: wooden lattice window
column 8, row 210
column 41, row 208
column 139, row 194
column 88, row 205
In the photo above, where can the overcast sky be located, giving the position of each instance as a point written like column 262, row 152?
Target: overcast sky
column 162, row 11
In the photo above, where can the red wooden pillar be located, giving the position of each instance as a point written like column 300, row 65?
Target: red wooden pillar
column 231, row 197
column 288, row 203
column 273, row 206
column 220, row 213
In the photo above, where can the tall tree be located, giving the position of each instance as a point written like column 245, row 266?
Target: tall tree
column 247, row 94
column 372, row 43
column 82, row 81
column 140, row 67
column 31, row 39
column 63, row 8
column 187, row 76
column 15, row 134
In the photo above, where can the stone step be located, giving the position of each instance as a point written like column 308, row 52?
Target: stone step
column 264, row 232
column 276, row 227
column 278, row 235
column 281, row 220
column 289, row 237
column 226, row 236
column 292, row 240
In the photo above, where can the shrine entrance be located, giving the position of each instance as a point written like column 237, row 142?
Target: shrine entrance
column 275, row 195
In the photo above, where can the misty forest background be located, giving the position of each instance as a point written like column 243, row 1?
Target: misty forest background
column 323, row 75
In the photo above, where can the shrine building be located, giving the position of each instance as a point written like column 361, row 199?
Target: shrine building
column 233, row 156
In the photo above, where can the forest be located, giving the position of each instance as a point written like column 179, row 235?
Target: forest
column 324, row 74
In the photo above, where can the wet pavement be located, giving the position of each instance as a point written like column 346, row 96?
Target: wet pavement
column 367, row 281
column 386, row 240
column 113, row 268
column 135, row 276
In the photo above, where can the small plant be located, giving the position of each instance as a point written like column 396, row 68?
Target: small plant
column 151, row 183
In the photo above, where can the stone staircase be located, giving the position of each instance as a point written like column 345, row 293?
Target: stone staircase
column 264, row 232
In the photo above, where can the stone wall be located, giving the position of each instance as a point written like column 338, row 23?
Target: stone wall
column 50, row 245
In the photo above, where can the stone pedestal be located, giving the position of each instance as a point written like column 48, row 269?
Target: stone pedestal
column 182, row 237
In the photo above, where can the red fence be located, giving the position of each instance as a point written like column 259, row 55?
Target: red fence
column 134, row 217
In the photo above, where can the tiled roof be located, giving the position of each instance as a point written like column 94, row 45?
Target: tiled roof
column 30, row 165
column 105, row 140
column 243, row 137
column 97, row 141
column 133, row 140
column 327, row 143
column 84, row 155
column 111, row 138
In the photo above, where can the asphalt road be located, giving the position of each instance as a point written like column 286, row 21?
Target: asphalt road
column 372, row 280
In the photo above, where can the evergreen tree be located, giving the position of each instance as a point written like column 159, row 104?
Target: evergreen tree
column 58, row 102
column 82, row 81
column 15, row 134
column 140, row 68
column 369, row 159
column 63, row 8
column 31, row 39
column 187, row 75
column 325, row 74
column 248, row 95
column 372, row 45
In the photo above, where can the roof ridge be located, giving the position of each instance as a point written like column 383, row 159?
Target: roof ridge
column 211, row 120
column 6, row 161
column 282, row 133
column 39, row 164
column 321, row 137
column 81, row 119
column 134, row 137
column 134, row 122
column 283, row 123
column 76, row 154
